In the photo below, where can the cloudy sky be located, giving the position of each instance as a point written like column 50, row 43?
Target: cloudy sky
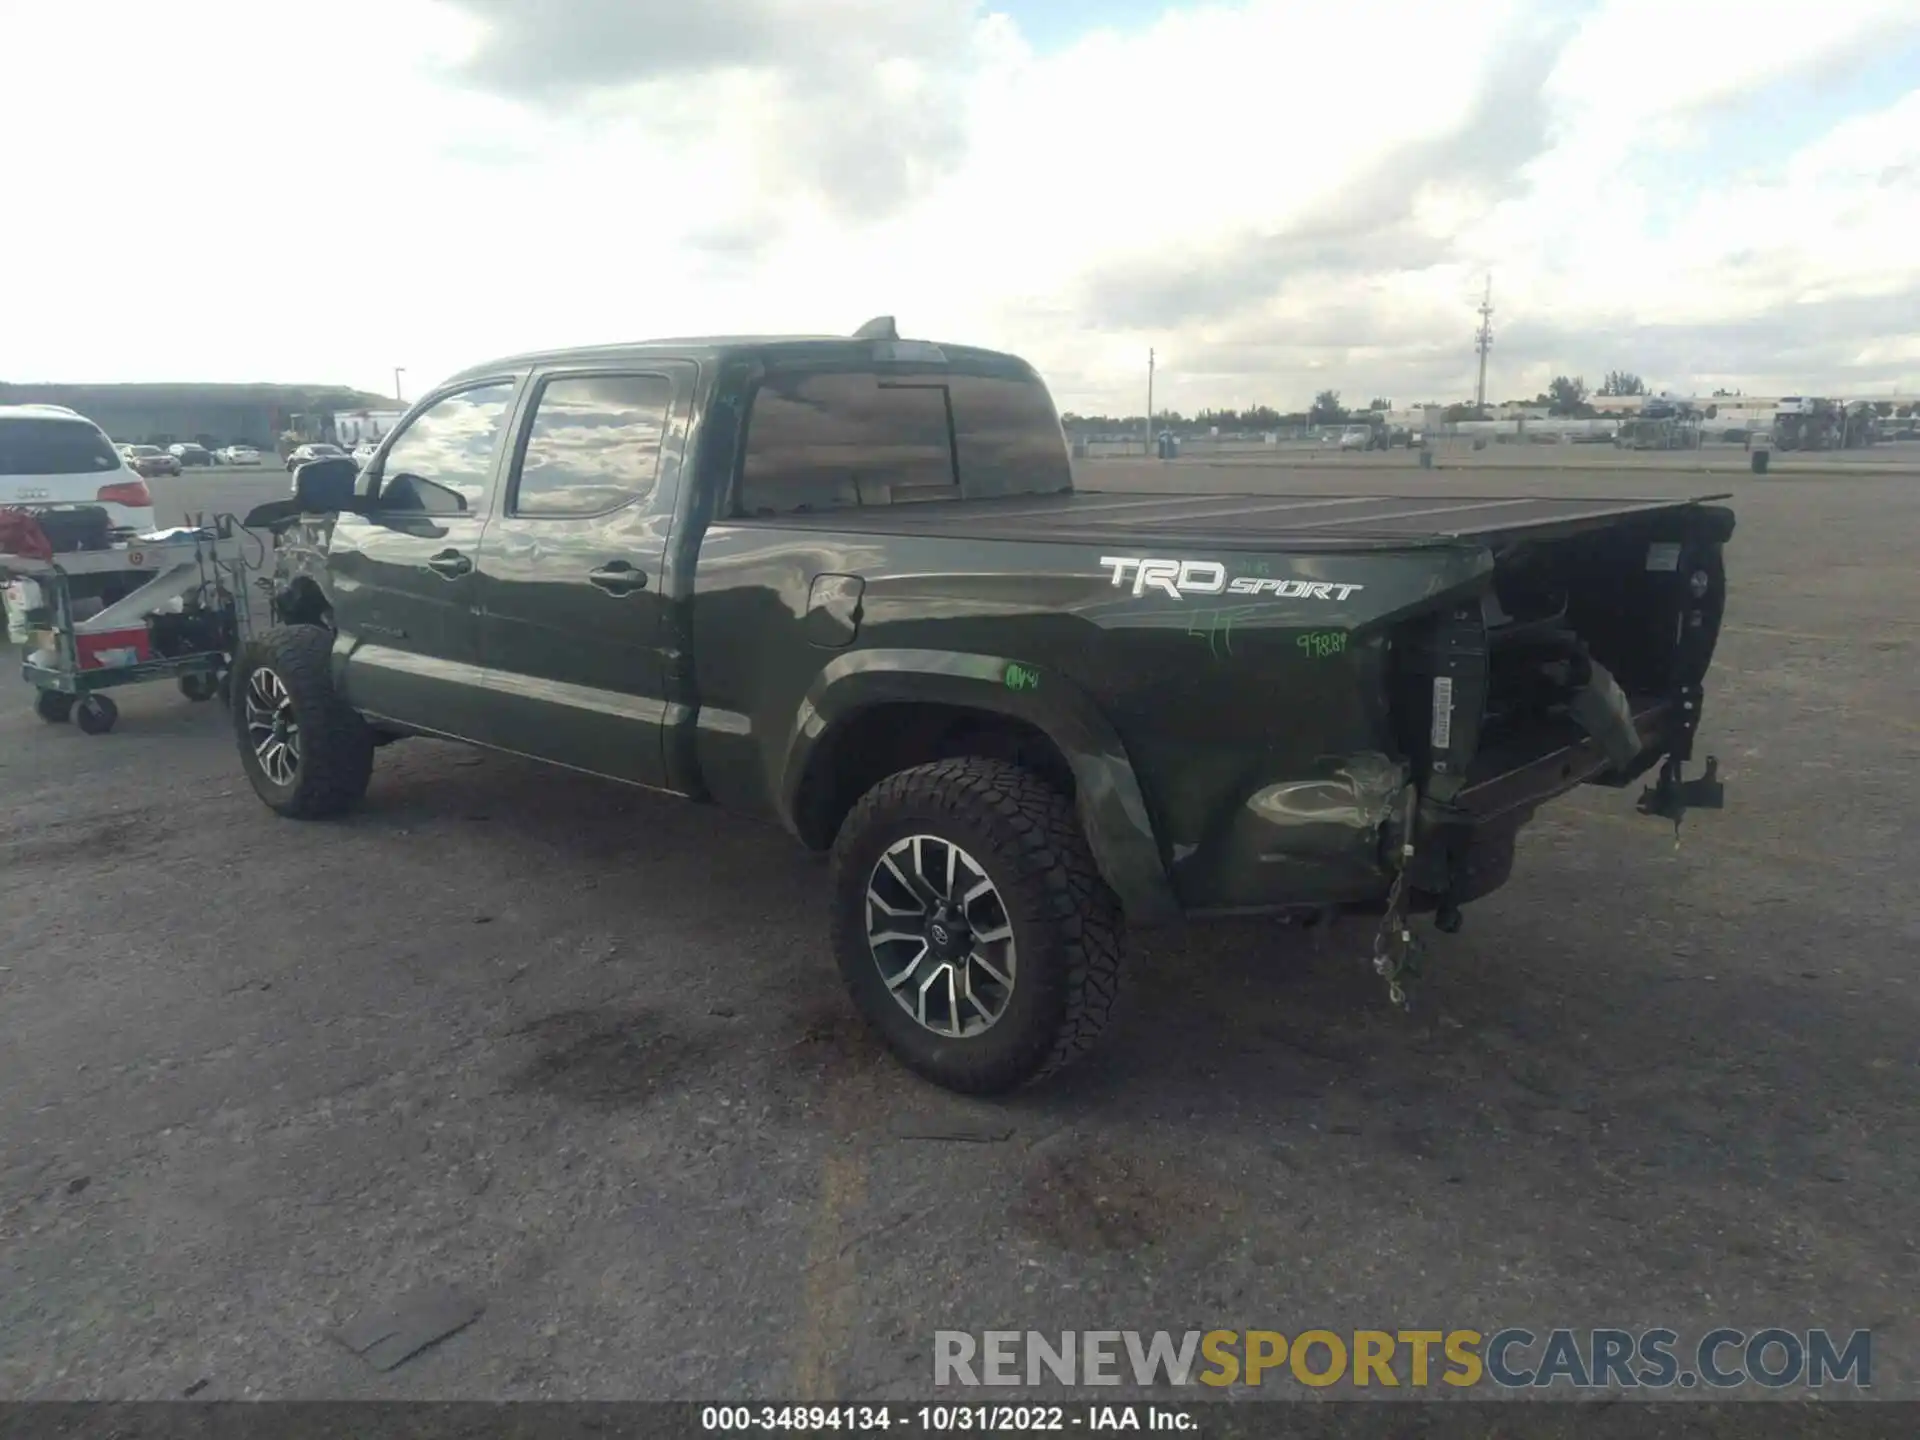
column 1277, row 195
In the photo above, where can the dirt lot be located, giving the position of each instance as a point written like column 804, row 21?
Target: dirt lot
column 581, row 1053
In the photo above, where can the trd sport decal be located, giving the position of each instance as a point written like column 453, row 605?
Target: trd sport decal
column 1180, row 578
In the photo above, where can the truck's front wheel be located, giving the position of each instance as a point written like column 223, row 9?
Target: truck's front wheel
column 971, row 925
column 305, row 750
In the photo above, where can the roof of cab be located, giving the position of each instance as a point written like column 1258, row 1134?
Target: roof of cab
column 41, row 411
column 719, row 347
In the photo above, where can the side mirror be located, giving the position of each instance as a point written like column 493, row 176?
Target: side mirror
column 324, row 486
column 415, row 494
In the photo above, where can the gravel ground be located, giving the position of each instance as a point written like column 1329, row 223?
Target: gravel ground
column 580, row 1053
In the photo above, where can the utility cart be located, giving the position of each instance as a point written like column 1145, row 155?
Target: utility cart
column 183, row 619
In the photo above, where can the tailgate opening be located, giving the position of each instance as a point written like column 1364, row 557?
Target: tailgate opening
column 1580, row 661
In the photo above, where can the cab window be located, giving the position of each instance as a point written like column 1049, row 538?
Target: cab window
column 442, row 462
column 594, row 444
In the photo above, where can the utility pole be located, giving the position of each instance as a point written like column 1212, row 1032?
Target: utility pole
column 398, row 371
column 1149, row 449
column 1483, row 342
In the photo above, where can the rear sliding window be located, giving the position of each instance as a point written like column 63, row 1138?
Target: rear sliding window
column 833, row 440
column 31, row 445
column 1009, row 438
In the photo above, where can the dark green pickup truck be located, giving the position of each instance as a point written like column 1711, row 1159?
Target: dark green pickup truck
column 847, row 584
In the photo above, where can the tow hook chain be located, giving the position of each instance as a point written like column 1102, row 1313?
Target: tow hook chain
column 1394, row 950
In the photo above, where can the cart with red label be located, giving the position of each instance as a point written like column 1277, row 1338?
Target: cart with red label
column 182, row 617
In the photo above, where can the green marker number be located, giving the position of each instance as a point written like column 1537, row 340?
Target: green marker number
column 1320, row 644
column 1020, row 677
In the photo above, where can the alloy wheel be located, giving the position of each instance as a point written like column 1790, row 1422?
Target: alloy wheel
column 271, row 728
column 941, row 936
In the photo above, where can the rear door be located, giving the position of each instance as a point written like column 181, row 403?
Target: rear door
column 570, row 571
column 404, row 578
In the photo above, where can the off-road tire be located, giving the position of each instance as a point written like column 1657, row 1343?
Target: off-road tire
column 1067, row 924
column 336, row 748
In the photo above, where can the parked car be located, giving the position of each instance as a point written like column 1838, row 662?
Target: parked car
column 50, row 455
column 1356, row 437
column 364, row 452
column 150, row 460
column 190, row 454
column 237, row 455
column 319, row 450
column 767, row 576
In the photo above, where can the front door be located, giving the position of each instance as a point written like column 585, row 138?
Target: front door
column 404, row 577
column 570, row 573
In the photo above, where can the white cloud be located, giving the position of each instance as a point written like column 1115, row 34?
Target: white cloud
column 1276, row 195
column 1654, row 63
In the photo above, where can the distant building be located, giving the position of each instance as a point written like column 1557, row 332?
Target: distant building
column 210, row 415
column 1417, row 417
column 358, row 427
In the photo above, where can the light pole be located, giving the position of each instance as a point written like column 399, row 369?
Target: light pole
column 1482, row 343
column 1149, row 449
column 398, row 371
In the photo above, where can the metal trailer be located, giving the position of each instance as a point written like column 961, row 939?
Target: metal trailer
column 197, row 571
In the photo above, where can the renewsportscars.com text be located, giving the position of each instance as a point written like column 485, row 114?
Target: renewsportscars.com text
column 1509, row 1359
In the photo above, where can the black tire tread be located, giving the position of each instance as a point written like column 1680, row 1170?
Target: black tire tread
column 336, row 753
column 1040, row 840
column 96, row 714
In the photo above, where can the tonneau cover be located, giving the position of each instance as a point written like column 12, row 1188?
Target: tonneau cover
column 1294, row 522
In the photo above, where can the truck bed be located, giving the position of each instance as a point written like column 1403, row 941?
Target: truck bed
column 1293, row 522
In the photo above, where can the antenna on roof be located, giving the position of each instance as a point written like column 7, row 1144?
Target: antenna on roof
column 881, row 327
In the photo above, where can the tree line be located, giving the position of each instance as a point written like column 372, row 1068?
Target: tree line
column 1566, row 395
column 1325, row 410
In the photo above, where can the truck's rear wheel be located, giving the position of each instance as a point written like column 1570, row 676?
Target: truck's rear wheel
column 306, row 752
column 971, row 925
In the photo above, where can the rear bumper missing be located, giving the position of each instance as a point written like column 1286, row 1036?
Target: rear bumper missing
column 1500, row 786
column 1463, row 846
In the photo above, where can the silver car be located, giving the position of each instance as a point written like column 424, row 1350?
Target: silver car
column 318, row 450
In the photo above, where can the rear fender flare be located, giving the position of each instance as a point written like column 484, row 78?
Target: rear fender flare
column 1112, row 809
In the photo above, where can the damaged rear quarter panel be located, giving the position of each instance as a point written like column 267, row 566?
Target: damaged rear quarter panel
column 1326, row 837
column 1258, row 726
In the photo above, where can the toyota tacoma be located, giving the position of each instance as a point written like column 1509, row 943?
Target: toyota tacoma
column 847, row 584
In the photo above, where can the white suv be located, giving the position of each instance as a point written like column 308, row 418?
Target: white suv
column 49, row 455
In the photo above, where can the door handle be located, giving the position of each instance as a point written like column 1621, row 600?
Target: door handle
column 617, row 577
column 450, row 563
